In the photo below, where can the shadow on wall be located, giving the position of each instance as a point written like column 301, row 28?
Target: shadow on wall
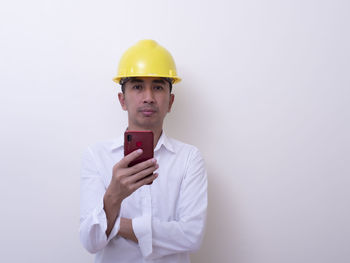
column 191, row 121
column 185, row 121
column 220, row 222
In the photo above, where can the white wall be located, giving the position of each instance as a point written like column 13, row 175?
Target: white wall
column 265, row 96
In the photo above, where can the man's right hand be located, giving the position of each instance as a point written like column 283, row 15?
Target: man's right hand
column 126, row 180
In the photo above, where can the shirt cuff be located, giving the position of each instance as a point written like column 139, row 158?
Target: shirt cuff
column 100, row 217
column 142, row 227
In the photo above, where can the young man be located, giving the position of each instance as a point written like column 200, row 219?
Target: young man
column 124, row 218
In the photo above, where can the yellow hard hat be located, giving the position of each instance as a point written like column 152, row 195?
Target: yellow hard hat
column 147, row 59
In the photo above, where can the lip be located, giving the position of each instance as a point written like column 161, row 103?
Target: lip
column 147, row 112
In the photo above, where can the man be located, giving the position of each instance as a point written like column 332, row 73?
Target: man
column 124, row 218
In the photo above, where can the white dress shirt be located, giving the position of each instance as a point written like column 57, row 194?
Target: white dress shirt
column 168, row 216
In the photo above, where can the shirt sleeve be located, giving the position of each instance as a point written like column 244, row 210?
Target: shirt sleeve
column 93, row 220
column 161, row 238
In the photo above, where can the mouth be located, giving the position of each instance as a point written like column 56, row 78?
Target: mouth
column 147, row 112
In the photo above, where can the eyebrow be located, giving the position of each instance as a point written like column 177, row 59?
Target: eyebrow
column 136, row 80
column 161, row 81
column 133, row 80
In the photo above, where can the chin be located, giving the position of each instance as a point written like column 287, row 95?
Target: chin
column 149, row 125
column 146, row 124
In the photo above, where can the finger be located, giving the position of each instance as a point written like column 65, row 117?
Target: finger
column 130, row 157
column 142, row 166
column 142, row 174
column 144, row 181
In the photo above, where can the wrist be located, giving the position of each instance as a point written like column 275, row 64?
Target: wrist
column 112, row 197
column 126, row 229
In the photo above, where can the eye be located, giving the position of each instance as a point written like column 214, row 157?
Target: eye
column 158, row 88
column 137, row 87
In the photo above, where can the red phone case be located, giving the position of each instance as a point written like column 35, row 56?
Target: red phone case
column 134, row 140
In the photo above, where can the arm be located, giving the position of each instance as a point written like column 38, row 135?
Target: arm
column 186, row 232
column 126, row 231
column 92, row 216
column 111, row 207
column 100, row 221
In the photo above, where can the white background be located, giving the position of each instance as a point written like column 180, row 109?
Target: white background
column 265, row 97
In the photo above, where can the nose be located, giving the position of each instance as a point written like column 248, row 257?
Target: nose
column 148, row 96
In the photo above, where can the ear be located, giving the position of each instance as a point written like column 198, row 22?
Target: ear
column 121, row 97
column 171, row 101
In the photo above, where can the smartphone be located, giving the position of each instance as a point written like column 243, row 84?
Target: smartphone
column 134, row 140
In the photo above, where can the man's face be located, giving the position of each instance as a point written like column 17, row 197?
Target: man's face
column 147, row 101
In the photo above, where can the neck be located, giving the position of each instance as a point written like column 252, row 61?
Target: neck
column 157, row 132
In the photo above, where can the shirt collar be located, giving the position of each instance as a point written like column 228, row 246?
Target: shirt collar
column 163, row 141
